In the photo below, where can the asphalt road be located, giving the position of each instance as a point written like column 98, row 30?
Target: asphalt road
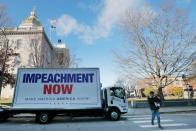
column 170, row 122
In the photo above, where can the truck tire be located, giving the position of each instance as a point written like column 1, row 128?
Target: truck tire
column 4, row 118
column 114, row 114
column 43, row 117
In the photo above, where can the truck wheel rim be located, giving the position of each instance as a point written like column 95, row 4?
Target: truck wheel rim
column 114, row 115
column 44, row 118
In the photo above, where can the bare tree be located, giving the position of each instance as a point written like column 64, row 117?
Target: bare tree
column 62, row 57
column 66, row 58
column 193, row 69
column 74, row 60
column 4, row 19
column 162, row 44
column 6, row 52
column 41, row 55
column 127, row 84
column 37, row 53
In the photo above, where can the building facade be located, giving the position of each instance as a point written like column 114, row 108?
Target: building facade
column 32, row 49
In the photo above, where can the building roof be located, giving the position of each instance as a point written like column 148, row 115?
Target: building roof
column 31, row 21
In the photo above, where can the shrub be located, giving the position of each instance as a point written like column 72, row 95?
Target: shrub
column 148, row 90
column 174, row 91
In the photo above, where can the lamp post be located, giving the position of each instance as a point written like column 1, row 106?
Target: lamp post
column 189, row 88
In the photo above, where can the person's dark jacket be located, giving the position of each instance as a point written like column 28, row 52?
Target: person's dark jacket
column 152, row 101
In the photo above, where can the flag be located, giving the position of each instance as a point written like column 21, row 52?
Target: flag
column 53, row 23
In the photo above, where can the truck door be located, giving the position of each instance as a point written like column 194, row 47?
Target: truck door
column 117, row 98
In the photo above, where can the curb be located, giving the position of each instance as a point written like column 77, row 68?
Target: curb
column 173, row 112
column 137, row 111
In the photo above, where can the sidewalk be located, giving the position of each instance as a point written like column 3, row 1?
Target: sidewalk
column 146, row 111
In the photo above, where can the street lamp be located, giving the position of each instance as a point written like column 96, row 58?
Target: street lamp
column 189, row 88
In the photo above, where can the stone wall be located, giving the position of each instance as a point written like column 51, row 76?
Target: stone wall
column 166, row 103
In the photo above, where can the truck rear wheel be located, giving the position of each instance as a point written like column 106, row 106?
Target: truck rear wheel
column 42, row 118
column 4, row 118
column 114, row 114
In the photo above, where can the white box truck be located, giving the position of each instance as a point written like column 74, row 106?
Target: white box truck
column 48, row 92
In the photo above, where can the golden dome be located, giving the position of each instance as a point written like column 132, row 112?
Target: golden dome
column 31, row 21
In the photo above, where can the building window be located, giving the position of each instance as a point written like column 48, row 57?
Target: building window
column 18, row 43
column 17, row 59
column 33, row 43
column 30, row 61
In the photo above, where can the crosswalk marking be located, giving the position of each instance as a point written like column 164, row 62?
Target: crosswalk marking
column 139, row 118
column 165, row 125
column 147, row 121
column 136, row 116
column 145, row 117
column 144, row 121
column 192, row 129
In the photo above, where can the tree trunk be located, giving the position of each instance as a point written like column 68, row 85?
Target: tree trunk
column 4, row 66
column 160, row 93
column 0, row 85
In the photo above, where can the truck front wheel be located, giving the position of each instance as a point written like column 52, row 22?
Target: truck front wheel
column 114, row 114
column 42, row 118
column 3, row 118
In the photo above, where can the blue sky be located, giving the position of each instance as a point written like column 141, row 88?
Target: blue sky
column 90, row 28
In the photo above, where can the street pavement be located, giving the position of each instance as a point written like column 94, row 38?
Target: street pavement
column 139, row 122
column 143, row 111
column 170, row 122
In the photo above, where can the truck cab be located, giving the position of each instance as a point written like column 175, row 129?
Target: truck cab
column 114, row 102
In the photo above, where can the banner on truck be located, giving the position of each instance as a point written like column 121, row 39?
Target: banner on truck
column 57, row 87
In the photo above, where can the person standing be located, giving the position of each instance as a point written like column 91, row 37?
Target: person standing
column 155, row 103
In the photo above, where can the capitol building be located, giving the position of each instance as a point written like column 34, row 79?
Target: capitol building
column 32, row 48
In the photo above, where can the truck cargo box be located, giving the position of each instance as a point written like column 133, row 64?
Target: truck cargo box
column 49, row 88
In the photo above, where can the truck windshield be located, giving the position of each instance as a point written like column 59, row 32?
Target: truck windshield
column 118, row 92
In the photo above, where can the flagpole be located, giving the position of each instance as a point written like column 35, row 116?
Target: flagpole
column 52, row 26
column 50, row 34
